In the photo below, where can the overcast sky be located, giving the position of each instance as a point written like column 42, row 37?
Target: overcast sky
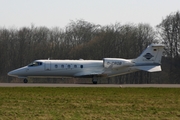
column 58, row 13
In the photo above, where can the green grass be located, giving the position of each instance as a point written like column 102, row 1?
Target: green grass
column 44, row 103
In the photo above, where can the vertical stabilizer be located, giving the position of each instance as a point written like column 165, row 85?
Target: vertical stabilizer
column 151, row 55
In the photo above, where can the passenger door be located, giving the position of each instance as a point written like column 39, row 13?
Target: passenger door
column 47, row 66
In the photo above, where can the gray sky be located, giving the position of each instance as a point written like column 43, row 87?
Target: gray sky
column 58, row 13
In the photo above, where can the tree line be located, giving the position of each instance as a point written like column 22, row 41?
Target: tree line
column 84, row 40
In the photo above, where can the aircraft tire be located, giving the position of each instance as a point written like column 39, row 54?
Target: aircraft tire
column 25, row 80
column 94, row 82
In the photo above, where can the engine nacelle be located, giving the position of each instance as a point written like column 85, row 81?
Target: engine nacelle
column 116, row 62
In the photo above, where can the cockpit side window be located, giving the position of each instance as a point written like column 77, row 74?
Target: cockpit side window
column 35, row 64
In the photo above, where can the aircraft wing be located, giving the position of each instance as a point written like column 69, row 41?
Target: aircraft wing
column 149, row 68
column 86, row 74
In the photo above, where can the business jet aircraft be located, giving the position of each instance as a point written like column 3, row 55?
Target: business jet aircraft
column 149, row 60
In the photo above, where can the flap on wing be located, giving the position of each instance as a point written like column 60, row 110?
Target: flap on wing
column 149, row 68
column 81, row 74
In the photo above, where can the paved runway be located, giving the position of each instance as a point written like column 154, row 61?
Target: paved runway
column 89, row 85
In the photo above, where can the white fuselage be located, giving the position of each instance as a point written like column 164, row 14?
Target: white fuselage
column 149, row 60
column 67, row 68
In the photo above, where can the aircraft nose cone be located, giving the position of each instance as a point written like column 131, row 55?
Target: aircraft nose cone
column 14, row 73
column 17, row 72
column 11, row 73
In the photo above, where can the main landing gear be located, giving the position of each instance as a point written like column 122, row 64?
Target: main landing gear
column 25, row 80
column 94, row 80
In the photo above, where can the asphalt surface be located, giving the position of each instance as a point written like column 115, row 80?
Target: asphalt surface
column 89, row 85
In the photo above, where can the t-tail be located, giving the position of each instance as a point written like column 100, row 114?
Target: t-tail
column 150, row 59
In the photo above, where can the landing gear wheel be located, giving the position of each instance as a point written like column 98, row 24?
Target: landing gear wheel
column 25, row 81
column 94, row 80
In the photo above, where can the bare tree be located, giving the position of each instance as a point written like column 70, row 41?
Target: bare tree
column 169, row 30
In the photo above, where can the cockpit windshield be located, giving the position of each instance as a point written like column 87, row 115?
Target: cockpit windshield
column 35, row 63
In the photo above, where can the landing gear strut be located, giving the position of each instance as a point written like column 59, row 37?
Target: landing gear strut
column 25, row 80
column 94, row 80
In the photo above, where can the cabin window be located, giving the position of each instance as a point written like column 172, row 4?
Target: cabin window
column 81, row 66
column 62, row 66
column 75, row 66
column 69, row 66
column 56, row 66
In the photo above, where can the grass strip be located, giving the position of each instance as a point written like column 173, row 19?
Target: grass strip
column 89, row 103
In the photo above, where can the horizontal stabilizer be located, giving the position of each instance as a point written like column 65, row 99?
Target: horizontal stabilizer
column 149, row 68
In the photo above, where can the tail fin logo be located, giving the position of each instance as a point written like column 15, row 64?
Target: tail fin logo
column 148, row 56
